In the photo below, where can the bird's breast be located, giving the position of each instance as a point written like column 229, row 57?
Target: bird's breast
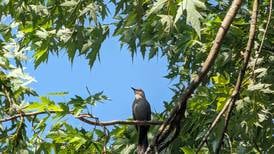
column 141, row 110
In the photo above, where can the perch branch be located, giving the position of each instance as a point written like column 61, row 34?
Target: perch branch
column 83, row 117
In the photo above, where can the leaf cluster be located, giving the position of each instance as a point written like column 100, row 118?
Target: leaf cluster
column 181, row 31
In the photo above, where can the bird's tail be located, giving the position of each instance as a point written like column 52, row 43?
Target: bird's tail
column 142, row 141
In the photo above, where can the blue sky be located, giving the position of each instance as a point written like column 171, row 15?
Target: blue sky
column 114, row 74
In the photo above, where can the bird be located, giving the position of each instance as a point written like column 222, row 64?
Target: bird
column 141, row 111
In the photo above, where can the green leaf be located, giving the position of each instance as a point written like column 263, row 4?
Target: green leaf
column 187, row 150
column 92, row 57
column 258, row 86
column 58, row 93
column 44, row 105
column 35, row 106
column 262, row 117
column 40, row 56
column 261, row 71
column 53, row 107
column 92, row 9
column 86, row 46
column 152, row 53
column 99, row 133
column 39, row 9
column 193, row 16
column 221, row 103
column 128, row 149
column 27, row 29
column 220, row 80
column 100, row 97
column 69, row 3
column 43, row 34
column 179, row 12
column 42, row 124
column 240, row 104
column 64, row 106
column 77, row 141
column 167, row 21
column 64, row 34
column 157, row 6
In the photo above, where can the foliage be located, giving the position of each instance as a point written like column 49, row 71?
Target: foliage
column 182, row 31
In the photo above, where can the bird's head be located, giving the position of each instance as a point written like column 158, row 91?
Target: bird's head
column 139, row 93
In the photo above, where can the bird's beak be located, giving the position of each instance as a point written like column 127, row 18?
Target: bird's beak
column 133, row 88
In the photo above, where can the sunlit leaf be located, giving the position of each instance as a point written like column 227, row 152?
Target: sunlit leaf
column 167, row 21
column 193, row 16
column 40, row 56
column 58, row 93
column 187, row 150
column 69, row 3
column 42, row 34
column 157, row 6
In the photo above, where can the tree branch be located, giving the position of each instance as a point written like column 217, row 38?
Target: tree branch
column 213, row 124
column 262, row 42
column 229, row 104
column 25, row 115
column 177, row 113
column 83, row 117
column 120, row 122
column 9, row 96
column 237, row 89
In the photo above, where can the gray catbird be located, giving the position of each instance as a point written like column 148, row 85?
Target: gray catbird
column 141, row 111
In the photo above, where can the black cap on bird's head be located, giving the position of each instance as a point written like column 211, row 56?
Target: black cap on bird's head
column 136, row 89
column 138, row 92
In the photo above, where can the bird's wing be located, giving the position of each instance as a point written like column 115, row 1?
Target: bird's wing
column 148, row 111
column 133, row 105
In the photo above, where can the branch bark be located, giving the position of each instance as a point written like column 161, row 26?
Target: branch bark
column 229, row 104
column 177, row 114
column 240, row 79
column 83, row 117
column 120, row 122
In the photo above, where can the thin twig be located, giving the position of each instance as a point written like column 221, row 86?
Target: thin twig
column 165, row 144
column 262, row 42
column 25, row 115
column 229, row 110
column 16, row 136
column 213, row 124
column 229, row 142
column 106, row 131
column 106, row 135
column 8, row 94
